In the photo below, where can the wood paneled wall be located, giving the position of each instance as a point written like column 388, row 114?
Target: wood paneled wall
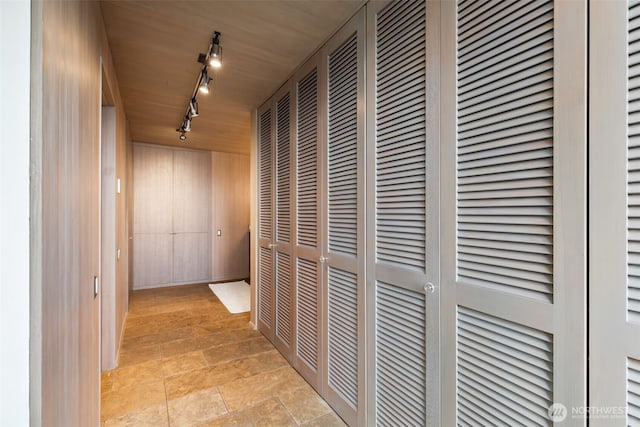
column 191, row 216
column 182, row 198
column 230, row 207
column 68, row 40
column 172, row 216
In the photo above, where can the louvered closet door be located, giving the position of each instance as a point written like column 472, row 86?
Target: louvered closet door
column 514, row 214
column 344, row 228
column 402, row 209
column 308, row 270
column 614, row 170
column 283, row 224
column 266, row 282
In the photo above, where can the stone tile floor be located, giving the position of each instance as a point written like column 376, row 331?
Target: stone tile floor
column 185, row 361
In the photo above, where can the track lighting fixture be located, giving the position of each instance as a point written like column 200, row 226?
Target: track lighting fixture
column 193, row 107
column 204, row 81
column 212, row 58
column 215, row 56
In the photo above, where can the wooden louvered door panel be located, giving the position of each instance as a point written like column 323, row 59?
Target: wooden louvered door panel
column 283, row 225
column 265, row 276
column 614, row 230
column 513, row 199
column 307, row 269
column 343, row 233
column 402, row 212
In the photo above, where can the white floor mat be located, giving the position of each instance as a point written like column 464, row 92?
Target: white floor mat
column 236, row 296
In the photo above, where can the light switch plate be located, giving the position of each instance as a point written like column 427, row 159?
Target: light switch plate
column 219, row 232
column 118, row 185
column 118, row 254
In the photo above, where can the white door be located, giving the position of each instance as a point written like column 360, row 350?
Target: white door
column 284, row 130
column 307, row 267
column 266, row 297
column 614, row 209
column 343, row 229
column 513, row 212
column 402, row 213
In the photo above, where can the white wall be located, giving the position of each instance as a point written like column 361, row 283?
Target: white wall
column 15, row 39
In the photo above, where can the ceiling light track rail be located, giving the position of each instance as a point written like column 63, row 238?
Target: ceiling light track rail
column 213, row 59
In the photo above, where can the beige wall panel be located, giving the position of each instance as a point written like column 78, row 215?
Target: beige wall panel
column 172, row 194
column 230, row 204
column 191, row 257
column 152, row 260
column 191, row 191
column 68, row 42
column 152, row 192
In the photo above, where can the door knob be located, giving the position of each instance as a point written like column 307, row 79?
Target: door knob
column 429, row 288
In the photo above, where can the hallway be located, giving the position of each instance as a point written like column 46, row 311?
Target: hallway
column 185, row 361
column 437, row 205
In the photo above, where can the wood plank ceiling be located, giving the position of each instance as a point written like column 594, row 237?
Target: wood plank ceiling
column 155, row 45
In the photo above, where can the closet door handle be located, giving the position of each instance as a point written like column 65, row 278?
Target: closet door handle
column 96, row 286
column 323, row 259
column 272, row 245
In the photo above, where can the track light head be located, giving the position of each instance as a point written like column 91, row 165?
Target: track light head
column 187, row 124
column 193, row 107
column 204, row 81
column 181, row 131
column 215, row 56
column 215, row 59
